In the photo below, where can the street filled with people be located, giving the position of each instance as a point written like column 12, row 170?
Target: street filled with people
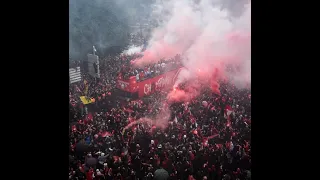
column 208, row 137
column 148, row 71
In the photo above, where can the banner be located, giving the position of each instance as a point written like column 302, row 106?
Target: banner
column 85, row 100
column 124, row 85
column 158, row 83
column 75, row 75
column 149, row 86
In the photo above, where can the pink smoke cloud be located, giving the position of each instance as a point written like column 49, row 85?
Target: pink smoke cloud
column 160, row 121
column 178, row 96
column 207, row 36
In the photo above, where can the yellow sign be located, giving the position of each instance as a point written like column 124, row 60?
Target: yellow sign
column 85, row 100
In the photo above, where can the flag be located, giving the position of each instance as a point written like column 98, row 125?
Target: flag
column 90, row 117
column 228, row 111
column 116, row 158
column 106, row 133
column 75, row 74
column 85, row 100
column 175, row 119
column 128, row 110
column 74, row 128
column 94, row 49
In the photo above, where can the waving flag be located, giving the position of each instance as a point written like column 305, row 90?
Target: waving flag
column 175, row 119
column 227, row 111
column 90, row 117
column 85, row 100
column 75, row 75
column 106, row 133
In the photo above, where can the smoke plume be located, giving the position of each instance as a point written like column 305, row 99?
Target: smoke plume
column 132, row 50
column 160, row 121
column 209, row 35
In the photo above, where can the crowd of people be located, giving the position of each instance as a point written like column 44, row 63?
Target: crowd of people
column 148, row 71
column 206, row 138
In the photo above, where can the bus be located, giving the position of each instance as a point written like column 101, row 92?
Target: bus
column 130, row 88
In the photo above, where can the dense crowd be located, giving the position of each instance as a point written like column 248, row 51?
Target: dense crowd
column 148, row 71
column 206, row 138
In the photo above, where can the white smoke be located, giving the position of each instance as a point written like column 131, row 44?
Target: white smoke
column 207, row 35
column 184, row 75
column 132, row 50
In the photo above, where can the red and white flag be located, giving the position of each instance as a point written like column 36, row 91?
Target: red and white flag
column 106, row 133
column 90, row 117
column 227, row 111
column 175, row 119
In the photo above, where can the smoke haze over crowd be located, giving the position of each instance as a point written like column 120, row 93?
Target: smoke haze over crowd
column 213, row 37
column 208, row 36
column 173, row 96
